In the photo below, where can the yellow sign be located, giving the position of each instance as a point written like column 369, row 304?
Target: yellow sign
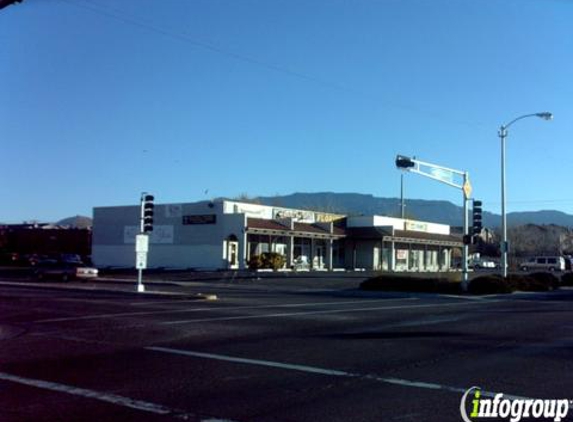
column 467, row 188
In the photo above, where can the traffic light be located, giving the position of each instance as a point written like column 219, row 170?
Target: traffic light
column 477, row 218
column 403, row 162
column 147, row 213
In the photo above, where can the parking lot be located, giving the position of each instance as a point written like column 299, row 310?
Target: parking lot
column 273, row 349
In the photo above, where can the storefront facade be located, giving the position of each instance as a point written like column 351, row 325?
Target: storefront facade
column 393, row 244
column 226, row 234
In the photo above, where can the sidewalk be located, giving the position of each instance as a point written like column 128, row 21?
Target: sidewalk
column 124, row 287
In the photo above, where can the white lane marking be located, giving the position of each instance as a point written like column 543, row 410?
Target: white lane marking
column 176, row 311
column 333, row 311
column 465, row 297
column 302, row 368
column 332, row 372
column 90, row 394
column 427, row 321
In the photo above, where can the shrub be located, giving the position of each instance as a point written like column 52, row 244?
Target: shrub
column 404, row 283
column 536, row 282
column 482, row 285
column 256, row 262
column 267, row 260
column 491, row 284
column 273, row 260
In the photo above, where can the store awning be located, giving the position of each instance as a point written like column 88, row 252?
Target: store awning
column 278, row 228
column 389, row 234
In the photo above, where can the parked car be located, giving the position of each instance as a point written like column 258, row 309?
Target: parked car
column 548, row 263
column 64, row 270
column 481, row 263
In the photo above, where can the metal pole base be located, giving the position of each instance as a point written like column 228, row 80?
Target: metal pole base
column 140, row 288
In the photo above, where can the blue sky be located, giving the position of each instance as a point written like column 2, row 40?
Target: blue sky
column 191, row 100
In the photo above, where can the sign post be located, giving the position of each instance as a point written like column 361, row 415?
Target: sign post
column 141, row 249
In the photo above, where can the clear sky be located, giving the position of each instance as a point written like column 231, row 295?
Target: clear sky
column 196, row 99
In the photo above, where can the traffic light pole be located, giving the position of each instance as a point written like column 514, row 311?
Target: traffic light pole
column 465, row 250
column 444, row 175
column 140, row 286
column 142, row 239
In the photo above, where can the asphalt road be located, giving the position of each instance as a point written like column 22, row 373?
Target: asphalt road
column 273, row 350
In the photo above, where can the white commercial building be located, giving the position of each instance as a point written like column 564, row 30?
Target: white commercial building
column 225, row 234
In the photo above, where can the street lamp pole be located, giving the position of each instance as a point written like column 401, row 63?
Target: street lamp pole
column 504, row 246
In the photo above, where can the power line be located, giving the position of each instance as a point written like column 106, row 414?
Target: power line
column 124, row 17
column 534, row 201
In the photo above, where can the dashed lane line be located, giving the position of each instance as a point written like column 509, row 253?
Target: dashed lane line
column 332, row 372
column 113, row 399
column 90, row 394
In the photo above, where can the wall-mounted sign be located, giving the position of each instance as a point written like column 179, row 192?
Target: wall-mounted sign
column 296, row 215
column 322, row 217
column 416, row 226
column 199, row 219
column 161, row 234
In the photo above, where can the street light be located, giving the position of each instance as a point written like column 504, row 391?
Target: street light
column 503, row 134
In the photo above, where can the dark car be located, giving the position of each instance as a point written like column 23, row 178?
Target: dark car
column 64, row 270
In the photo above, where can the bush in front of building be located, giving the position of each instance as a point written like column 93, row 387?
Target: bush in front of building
column 267, row 260
column 405, row 283
column 494, row 283
column 255, row 262
column 536, row 282
column 274, row 260
column 482, row 285
column 491, row 284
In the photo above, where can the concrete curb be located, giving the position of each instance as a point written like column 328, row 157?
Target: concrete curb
column 150, row 294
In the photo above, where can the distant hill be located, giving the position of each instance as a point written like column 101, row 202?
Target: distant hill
column 435, row 211
column 78, row 221
column 540, row 217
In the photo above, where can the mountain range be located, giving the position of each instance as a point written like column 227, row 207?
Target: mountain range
column 362, row 204
column 426, row 210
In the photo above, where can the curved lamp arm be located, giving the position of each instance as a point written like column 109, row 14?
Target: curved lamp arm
column 544, row 115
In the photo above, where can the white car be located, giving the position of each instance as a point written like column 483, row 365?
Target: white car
column 481, row 263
